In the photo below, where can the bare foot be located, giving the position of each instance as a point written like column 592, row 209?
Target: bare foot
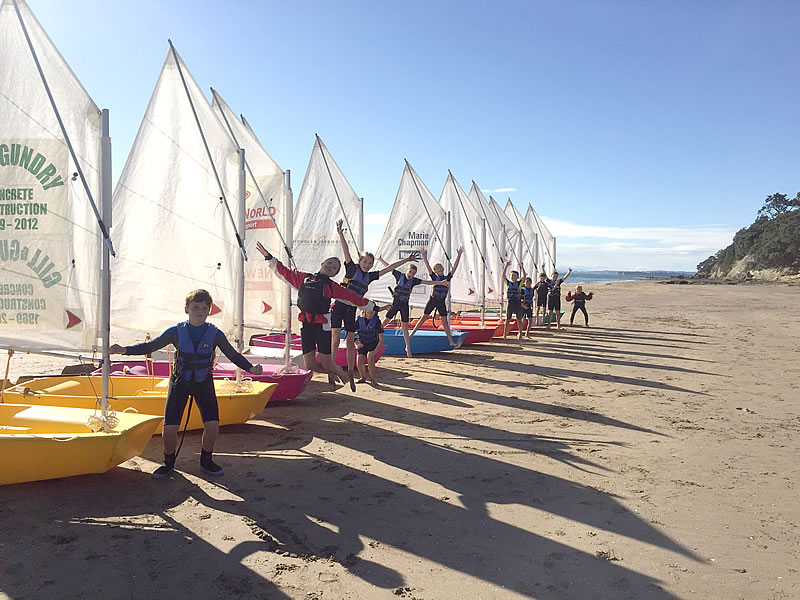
column 362, row 380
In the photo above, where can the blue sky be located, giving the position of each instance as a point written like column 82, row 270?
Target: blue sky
column 644, row 133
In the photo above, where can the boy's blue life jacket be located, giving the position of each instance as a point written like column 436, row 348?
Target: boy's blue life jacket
column 368, row 330
column 403, row 288
column 194, row 361
column 528, row 294
column 359, row 282
column 440, row 291
column 311, row 298
column 512, row 292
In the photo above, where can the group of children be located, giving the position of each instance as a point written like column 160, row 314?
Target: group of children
column 196, row 340
column 522, row 295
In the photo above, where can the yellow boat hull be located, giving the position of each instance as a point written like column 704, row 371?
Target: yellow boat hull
column 47, row 442
column 140, row 395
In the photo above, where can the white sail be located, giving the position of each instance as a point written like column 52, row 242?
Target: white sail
column 510, row 234
column 266, row 201
column 547, row 243
column 326, row 197
column 173, row 231
column 529, row 241
column 416, row 221
column 465, row 228
column 496, row 251
column 50, row 241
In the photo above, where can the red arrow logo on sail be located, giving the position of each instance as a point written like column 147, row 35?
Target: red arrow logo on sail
column 72, row 319
column 471, row 291
column 214, row 309
column 490, row 290
column 267, row 307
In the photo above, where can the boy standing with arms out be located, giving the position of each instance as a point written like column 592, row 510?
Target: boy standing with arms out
column 527, row 305
column 554, row 298
column 196, row 342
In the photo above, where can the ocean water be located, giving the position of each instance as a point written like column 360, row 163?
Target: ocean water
column 607, row 276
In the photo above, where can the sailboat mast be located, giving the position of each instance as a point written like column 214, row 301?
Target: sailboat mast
column 289, row 242
column 238, row 309
column 361, row 224
column 105, row 282
column 483, row 273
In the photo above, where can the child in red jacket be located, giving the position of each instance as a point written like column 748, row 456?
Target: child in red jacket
column 578, row 299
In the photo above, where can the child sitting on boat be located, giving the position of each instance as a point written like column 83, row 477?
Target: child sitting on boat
column 438, row 299
column 370, row 338
column 357, row 277
column 315, row 291
column 196, row 342
column 402, row 292
column 578, row 299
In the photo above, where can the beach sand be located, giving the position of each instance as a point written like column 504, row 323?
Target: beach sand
column 654, row 455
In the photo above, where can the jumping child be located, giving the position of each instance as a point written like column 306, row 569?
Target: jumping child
column 554, row 298
column 314, row 294
column 578, row 299
column 370, row 338
column 513, row 298
column 357, row 277
column 438, row 298
column 402, row 292
column 196, row 342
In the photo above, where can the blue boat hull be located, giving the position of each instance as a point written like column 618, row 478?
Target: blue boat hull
column 423, row 342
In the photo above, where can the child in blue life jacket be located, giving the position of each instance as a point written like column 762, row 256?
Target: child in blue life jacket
column 370, row 337
column 401, row 294
column 527, row 293
column 438, row 299
column 357, row 277
column 541, row 289
column 196, row 342
column 554, row 298
column 513, row 297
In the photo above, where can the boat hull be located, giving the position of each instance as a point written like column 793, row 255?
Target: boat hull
column 290, row 385
column 423, row 342
column 48, row 442
column 475, row 333
column 143, row 395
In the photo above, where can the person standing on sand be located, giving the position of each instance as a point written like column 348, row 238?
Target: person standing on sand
column 554, row 298
column 578, row 299
column 513, row 297
column 541, row 288
column 196, row 342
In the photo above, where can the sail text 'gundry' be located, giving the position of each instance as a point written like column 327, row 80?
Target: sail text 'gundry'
column 17, row 155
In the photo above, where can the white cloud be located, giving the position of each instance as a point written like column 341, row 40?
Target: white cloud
column 506, row 190
column 635, row 248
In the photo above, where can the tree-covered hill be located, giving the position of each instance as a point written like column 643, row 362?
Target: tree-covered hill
column 770, row 245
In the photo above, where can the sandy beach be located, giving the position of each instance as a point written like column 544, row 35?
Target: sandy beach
column 654, row 455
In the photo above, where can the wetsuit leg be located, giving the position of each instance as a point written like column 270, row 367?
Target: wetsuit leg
column 177, row 396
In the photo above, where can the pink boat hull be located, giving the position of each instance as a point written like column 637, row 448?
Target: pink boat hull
column 290, row 385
